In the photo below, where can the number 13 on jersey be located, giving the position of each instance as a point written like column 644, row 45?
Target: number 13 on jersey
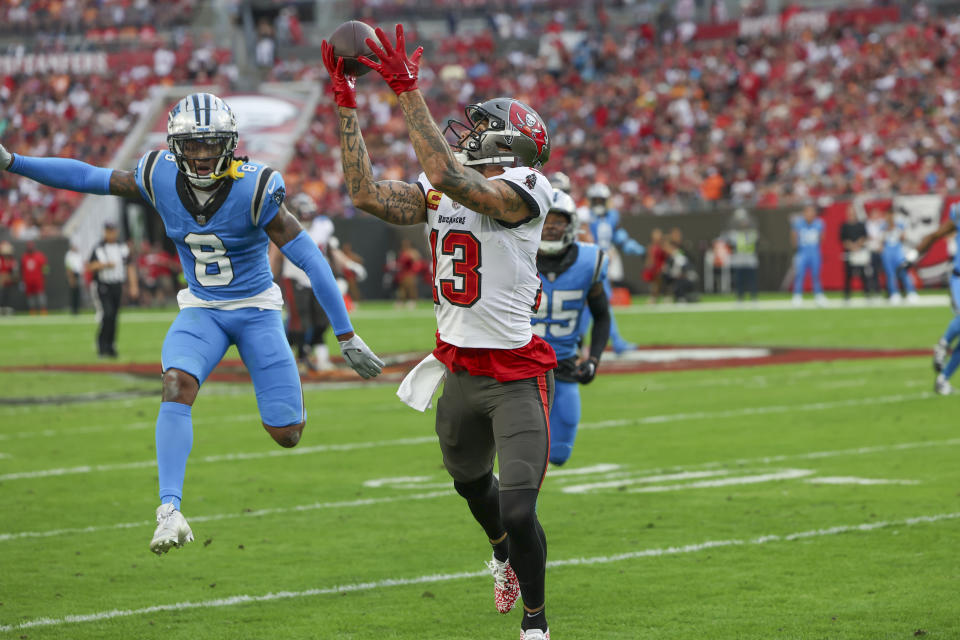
column 463, row 249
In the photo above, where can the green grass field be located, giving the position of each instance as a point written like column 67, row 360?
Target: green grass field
column 805, row 501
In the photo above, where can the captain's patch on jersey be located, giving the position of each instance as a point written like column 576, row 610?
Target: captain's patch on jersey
column 433, row 199
column 530, row 181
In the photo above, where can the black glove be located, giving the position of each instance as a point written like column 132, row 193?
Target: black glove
column 585, row 371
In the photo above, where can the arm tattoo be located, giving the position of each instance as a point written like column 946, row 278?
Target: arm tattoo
column 392, row 201
column 124, row 184
column 463, row 184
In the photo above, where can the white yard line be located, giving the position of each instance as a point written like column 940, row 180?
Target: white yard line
column 226, row 457
column 361, row 502
column 786, row 474
column 756, row 411
column 660, row 419
column 447, row 577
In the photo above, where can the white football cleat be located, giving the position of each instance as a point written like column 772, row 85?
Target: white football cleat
column 797, row 300
column 895, row 299
column 940, row 353
column 913, row 298
column 506, row 586
column 535, row 634
column 820, row 300
column 172, row 530
column 942, row 386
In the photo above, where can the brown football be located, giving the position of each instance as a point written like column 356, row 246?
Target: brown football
column 349, row 42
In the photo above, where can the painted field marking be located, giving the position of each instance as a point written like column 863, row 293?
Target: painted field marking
column 672, row 472
column 661, row 419
column 756, row 411
column 447, row 577
column 361, row 502
column 859, row 481
column 786, row 474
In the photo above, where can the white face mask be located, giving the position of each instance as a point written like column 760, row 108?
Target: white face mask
column 551, row 247
column 598, row 209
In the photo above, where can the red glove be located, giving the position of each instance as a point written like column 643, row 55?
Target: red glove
column 344, row 86
column 397, row 69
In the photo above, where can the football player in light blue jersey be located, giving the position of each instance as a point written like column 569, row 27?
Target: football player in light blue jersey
column 604, row 224
column 948, row 344
column 806, row 234
column 572, row 274
column 893, row 257
column 221, row 212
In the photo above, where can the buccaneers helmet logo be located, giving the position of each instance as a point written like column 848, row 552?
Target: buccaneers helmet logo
column 529, row 125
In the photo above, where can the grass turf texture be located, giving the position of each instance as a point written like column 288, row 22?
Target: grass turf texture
column 90, row 464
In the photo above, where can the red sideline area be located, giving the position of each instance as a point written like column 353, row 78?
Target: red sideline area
column 234, row 370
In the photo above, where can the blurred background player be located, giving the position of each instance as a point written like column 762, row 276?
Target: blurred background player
column 484, row 208
column 894, row 230
column 306, row 321
column 806, row 235
column 221, row 213
column 572, row 274
column 9, row 277
column 742, row 238
column 653, row 267
column 948, row 345
column 604, row 223
column 409, row 270
column 111, row 267
column 33, row 276
column 74, row 266
column 856, row 254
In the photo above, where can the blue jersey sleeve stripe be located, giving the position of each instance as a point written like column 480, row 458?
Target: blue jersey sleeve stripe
column 259, row 195
column 146, row 177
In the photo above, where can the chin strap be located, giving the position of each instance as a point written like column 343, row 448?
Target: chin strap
column 233, row 171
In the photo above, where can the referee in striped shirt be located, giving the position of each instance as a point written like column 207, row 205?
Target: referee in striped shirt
column 111, row 266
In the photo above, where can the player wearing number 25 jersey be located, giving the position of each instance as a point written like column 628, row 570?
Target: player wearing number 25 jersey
column 482, row 211
column 221, row 213
column 573, row 274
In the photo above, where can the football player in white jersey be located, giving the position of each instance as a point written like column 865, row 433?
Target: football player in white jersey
column 483, row 202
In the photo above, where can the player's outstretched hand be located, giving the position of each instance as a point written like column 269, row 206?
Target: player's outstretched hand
column 586, row 371
column 6, row 158
column 400, row 72
column 344, row 86
column 359, row 356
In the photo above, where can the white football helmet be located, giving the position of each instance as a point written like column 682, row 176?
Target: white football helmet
column 563, row 204
column 597, row 195
column 206, row 120
column 560, row 180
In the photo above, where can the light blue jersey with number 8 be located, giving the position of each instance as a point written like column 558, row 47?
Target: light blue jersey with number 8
column 223, row 249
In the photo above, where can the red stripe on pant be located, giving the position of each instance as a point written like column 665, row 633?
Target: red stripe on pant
column 545, row 400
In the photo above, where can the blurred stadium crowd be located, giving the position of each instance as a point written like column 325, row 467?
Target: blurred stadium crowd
column 672, row 124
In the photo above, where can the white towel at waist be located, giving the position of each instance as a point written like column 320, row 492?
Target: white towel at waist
column 421, row 383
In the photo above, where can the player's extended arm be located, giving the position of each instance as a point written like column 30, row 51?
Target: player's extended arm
column 493, row 198
column 73, row 175
column 390, row 200
column 297, row 245
column 599, row 334
column 627, row 244
column 945, row 229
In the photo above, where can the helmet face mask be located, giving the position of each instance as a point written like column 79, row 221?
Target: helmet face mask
column 557, row 236
column 202, row 136
column 503, row 132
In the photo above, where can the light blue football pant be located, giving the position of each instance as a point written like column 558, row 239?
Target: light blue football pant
column 892, row 258
column 564, row 418
column 805, row 261
column 195, row 343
